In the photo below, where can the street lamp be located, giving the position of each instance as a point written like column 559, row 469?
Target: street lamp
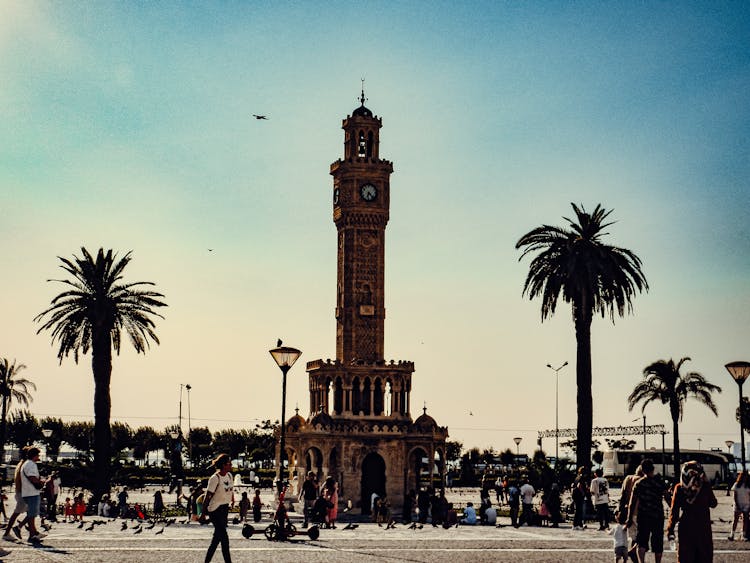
column 284, row 357
column 517, row 440
column 190, row 443
column 740, row 371
column 644, row 428
column 557, row 430
column 729, row 444
column 46, row 432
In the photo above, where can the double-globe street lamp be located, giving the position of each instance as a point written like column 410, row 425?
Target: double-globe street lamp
column 517, row 440
column 557, row 401
column 284, row 356
column 740, row 372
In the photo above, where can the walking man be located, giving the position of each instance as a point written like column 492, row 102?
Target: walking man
column 31, row 484
column 648, row 495
column 309, row 495
column 219, row 498
column 600, row 495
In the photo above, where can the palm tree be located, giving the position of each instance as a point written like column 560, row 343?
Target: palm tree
column 663, row 382
column 91, row 314
column 12, row 388
column 594, row 278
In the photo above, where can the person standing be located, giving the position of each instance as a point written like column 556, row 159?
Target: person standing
column 626, row 493
column 647, row 498
column 331, row 494
column 692, row 501
column 309, row 495
column 257, row 506
column 514, row 501
column 579, row 503
column 219, row 497
column 600, row 495
column 741, row 496
column 31, row 484
column 527, row 502
column 20, row 507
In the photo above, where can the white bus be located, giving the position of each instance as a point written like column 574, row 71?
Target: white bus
column 618, row 463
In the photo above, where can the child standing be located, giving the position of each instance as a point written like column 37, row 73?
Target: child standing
column 244, row 506
column 620, row 537
column 69, row 510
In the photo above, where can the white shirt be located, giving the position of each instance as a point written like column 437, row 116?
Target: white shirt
column 221, row 487
column 491, row 515
column 600, row 490
column 29, row 469
column 527, row 494
column 620, row 535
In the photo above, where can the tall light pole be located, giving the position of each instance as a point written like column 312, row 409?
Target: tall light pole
column 700, row 440
column 644, row 429
column 729, row 444
column 190, row 443
column 740, row 372
column 517, row 440
column 47, row 433
column 557, row 401
column 284, row 357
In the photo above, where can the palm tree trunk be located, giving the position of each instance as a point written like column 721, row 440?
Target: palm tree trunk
column 101, row 362
column 582, row 318
column 675, row 412
column 3, row 427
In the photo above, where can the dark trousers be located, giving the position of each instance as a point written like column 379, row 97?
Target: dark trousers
column 514, row 515
column 219, row 520
column 527, row 514
column 602, row 514
column 578, row 516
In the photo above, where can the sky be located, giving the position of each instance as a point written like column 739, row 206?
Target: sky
column 128, row 125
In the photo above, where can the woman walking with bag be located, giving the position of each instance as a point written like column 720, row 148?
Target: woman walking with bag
column 219, row 497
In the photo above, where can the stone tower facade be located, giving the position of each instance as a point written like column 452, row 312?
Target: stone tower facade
column 360, row 429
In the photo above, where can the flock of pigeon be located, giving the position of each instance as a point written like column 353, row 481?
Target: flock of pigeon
column 136, row 526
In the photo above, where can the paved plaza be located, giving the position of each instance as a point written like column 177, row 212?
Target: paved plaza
column 368, row 542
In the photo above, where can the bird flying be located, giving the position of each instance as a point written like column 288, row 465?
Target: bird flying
column 259, row 116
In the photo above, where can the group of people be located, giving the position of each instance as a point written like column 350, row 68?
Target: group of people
column 28, row 486
column 640, row 518
column 321, row 503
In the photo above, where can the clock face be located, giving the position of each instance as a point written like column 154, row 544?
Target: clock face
column 335, row 196
column 368, row 192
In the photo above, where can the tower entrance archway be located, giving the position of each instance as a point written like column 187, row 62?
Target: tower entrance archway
column 373, row 480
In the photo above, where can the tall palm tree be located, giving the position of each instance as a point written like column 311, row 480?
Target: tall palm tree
column 663, row 382
column 594, row 277
column 91, row 314
column 12, row 388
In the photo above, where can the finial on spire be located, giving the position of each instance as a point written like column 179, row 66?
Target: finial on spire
column 362, row 98
column 424, row 408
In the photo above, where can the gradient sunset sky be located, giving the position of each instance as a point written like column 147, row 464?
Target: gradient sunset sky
column 129, row 125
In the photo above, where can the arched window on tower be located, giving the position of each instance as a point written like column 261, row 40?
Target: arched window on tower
column 388, row 398
column 370, row 139
column 362, row 151
column 356, row 396
column 377, row 408
column 329, row 396
column 338, row 397
column 366, row 402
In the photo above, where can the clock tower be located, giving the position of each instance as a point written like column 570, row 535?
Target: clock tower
column 360, row 431
column 361, row 197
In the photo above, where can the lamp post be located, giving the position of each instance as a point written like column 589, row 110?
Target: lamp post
column 663, row 455
column 644, row 429
column 700, row 440
column 740, row 371
column 557, row 402
column 517, row 440
column 46, row 432
column 729, row 444
column 284, row 357
column 190, row 443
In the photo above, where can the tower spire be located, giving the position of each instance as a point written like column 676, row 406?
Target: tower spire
column 362, row 98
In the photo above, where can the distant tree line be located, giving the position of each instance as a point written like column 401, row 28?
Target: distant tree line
column 254, row 445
